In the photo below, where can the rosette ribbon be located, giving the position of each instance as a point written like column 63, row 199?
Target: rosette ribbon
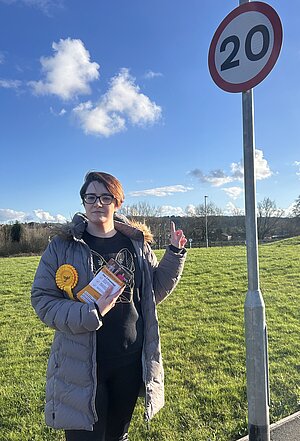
column 66, row 278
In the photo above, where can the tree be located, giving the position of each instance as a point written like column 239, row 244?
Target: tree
column 236, row 211
column 142, row 209
column 268, row 217
column 212, row 212
column 16, row 232
column 296, row 208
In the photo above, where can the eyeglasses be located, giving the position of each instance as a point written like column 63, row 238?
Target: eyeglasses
column 104, row 199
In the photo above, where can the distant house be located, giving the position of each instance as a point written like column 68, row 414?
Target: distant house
column 226, row 236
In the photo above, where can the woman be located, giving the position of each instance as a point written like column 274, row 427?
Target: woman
column 103, row 352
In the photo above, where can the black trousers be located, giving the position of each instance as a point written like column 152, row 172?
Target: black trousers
column 117, row 393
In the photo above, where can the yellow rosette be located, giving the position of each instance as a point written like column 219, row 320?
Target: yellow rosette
column 66, row 278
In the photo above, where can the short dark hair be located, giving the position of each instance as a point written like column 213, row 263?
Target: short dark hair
column 112, row 184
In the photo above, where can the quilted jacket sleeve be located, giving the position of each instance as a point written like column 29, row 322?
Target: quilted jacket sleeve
column 55, row 310
column 166, row 273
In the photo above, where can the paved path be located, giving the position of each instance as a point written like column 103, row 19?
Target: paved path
column 287, row 429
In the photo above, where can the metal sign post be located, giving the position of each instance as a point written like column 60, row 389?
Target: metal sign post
column 254, row 308
column 243, row 51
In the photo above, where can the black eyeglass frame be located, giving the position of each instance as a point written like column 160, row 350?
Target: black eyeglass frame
column 98, row 198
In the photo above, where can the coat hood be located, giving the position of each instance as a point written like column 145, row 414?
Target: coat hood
column 132, row 229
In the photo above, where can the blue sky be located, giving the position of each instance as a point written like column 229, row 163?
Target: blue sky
column 124, row 87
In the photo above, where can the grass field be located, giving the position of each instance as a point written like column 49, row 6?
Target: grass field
column 203, row 347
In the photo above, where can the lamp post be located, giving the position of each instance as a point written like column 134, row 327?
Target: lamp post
column 206, row 230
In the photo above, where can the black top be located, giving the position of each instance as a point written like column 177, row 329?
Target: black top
column 121, row 335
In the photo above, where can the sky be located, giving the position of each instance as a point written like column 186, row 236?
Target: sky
column 123, row 86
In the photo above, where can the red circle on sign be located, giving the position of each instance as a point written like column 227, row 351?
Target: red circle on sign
column 272, row 15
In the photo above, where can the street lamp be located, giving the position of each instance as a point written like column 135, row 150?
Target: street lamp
column 206, row 230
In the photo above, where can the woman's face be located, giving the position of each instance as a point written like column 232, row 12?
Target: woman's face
column 96, row 212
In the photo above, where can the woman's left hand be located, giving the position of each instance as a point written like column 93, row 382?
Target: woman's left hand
column 178, row 239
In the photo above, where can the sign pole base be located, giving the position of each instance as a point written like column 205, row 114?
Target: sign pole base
column 257, row 367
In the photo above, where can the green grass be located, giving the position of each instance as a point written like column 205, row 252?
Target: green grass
column 203, row 347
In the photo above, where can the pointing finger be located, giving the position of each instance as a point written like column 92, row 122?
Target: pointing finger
column 173, row 229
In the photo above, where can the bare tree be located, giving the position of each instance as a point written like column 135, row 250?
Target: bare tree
column 296, row 208
column 211, row 209
column 190, row 210
column 141, row 209
column 268, row 217
column 213, row 212
column 236, row 211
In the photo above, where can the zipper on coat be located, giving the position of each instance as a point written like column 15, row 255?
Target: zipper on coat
column 144, row 364
column 93, row 338
column 94, row 375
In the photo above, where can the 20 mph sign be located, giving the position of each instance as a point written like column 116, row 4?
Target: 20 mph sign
column 245, row 47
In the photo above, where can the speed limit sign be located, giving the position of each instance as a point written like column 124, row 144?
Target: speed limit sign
column 245, row 47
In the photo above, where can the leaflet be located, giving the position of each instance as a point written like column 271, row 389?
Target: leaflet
column 112, row 275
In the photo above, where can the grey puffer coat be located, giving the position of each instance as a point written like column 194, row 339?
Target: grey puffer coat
column 71, row 373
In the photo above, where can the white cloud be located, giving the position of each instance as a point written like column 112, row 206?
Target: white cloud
column 161, row 191
column 6, row 215
column 169, row 210
column 297, row 164
column 218, row 177
column 262, row 167
column 55, row 113
column 150, row 74
column 39, row 215
column 237, row 170
column 10, row 84
column 97, row 120
column 122, row 102
column 60, row 218
column 190, row 210
column 68, row 72
column 2, row 57
column 233, row 192
column 45, row 216
column 288, row 212
column 45, row 6
column 233, row 210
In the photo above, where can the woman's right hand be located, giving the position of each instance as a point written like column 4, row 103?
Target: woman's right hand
column 107, row 301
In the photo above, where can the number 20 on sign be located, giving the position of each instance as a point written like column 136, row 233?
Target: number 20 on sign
column 245, row 47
